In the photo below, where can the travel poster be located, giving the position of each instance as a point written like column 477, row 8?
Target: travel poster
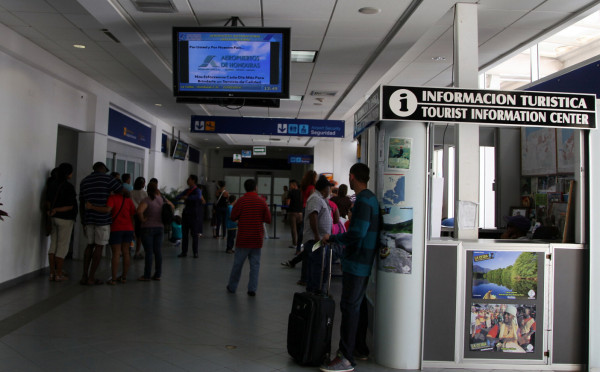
column 393, row 189
column 538, row 151
column 399, row 150
column 506, row 328
column 565, row 151
column 505, row 275
column 395, row 255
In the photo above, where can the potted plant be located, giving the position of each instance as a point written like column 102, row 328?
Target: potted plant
column 2, row 213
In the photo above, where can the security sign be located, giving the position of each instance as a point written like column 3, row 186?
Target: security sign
column 522, row 108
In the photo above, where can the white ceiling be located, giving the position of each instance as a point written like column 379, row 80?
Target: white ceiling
column 357, row 52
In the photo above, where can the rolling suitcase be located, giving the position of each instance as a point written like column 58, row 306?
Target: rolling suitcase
column 310, row 324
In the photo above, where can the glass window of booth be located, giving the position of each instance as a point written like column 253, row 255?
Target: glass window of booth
column 534, row 173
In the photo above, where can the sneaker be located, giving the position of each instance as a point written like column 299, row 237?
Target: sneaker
column 360, row 356
column 338, row 364
column 251, row 293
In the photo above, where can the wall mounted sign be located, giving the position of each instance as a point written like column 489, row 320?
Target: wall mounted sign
column 127, row 129
column 300, row 159
column 259, row 150
column 268, row 126
column 489, row 107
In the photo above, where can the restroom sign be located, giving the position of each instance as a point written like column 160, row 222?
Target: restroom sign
column 489, row 107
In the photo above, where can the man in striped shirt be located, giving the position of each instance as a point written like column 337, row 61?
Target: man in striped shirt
column 250, row 211
column 361, row 245
column 95, row 189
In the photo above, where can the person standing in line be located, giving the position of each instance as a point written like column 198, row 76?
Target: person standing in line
column 121, row 209
column 61, row 204
column 221, row 196
column 191, row 214
column 231, row 226
column 357, row 260
column 307, row 187
column 95, row 188
column 342, row 201
column 126, row 178
column 317, row 223
column 284, row 198
column 150, row 213
column 294, row 211
column 137, row 195
column 250, row 211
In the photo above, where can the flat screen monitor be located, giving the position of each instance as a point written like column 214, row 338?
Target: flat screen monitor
column 231, row 62
column 180, row 149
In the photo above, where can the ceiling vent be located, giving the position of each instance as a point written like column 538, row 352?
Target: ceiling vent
column 155, row 6
column 323, row 93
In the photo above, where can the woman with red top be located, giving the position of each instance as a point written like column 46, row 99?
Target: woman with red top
column 121, row 208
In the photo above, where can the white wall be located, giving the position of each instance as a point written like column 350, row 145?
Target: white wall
column 37, row 93
column 336, row 156
column 594, row 247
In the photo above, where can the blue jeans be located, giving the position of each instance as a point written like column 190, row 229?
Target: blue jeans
column 189, row 226
column 353, row 294
column 152, row 241
column 253, row 255
column 314, row 267
column 231, row 233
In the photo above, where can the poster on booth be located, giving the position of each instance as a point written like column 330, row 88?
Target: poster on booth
column 395, row 254
column 505, row 275
column 505, row 328
column 393, row 189
column 399, row 150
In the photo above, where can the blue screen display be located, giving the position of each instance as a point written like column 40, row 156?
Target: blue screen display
column 232, row 63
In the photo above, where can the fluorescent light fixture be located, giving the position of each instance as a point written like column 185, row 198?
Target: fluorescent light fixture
column 79, row 46
column 369, row 10
column 158, row 104
column 295, row 98
column 304, row 56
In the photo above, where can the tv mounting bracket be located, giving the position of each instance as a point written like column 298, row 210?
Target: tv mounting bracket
column 234, row 22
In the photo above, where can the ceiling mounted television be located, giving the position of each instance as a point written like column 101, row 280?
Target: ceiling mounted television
column 231, row 62
column 179, row 149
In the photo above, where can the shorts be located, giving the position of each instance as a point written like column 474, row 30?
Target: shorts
column 120, row 237
column 60, row 237
column 96, row 234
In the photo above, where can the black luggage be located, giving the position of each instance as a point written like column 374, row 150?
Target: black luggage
column 310, row 324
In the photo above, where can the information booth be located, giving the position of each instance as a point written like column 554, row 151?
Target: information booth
column 487, row 302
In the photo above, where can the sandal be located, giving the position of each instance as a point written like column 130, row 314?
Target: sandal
column 60, row 278
column 111, row 282
column 143, row 279
column 95, row 282
column 122, row 279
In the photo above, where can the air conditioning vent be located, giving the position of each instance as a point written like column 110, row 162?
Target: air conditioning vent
column 155, row 6
column 323, row 93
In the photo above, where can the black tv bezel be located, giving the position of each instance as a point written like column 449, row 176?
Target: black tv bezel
column 285, row 71
column 174, row 151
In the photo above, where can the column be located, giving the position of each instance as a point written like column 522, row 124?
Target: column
column 466, row 136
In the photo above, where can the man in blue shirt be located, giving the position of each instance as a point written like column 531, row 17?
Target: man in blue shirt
column 95, row 189
column 360, row 243
column 191, row 217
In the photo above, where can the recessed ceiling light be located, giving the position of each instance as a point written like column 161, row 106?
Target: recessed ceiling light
column 438, row 58
column 304, row 56
column 79, row 46
column 369, row 10
column 158, row 104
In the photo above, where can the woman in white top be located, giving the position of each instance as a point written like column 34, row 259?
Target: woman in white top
column 137, row 195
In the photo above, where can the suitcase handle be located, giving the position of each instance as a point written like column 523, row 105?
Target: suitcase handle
column 323, row 267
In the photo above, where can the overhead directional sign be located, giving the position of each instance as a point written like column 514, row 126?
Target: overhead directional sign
column 268, row 126
column 300, row 159
column 522, row 108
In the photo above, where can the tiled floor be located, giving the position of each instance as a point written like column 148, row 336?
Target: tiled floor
column 186, row 322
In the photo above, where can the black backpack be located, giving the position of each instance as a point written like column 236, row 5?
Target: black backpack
column 167, row 214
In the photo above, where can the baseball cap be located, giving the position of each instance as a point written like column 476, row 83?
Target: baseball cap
column 322, row 183
column 519, row 222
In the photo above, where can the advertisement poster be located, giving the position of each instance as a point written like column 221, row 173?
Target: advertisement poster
column 246, row 153
column 565, row 151
column 505, row 275
column 393, row 189
column 505, row 328
column 396, row 237
column 538, row 151
column 237, row 158
column 399, row 153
